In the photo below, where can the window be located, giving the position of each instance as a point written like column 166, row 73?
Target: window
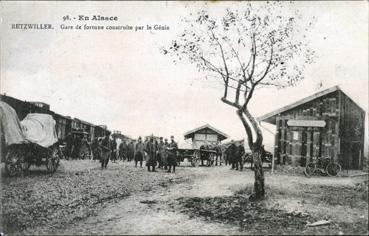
column 295, row 135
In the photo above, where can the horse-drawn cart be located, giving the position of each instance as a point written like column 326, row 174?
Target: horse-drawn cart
column 30, row 141
column 195, row 156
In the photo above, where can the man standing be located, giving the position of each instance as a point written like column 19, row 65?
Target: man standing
column 139, row 152
column 151, row 150
column 113, row 146
column 131, row 151
column 202, row 154
column 121, row 150
column 161, row 151
column 85, row 147
column 69, row 143
column 165, row 154
column 105, row 151
column 172, row 155
column 240, row 153
column 77, row 142
column 232, row 152
column 95, row 149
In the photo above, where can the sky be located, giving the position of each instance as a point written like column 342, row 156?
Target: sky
column 121, row 79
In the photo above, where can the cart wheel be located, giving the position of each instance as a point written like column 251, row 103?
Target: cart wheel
column 333, row 169
column 14, row 162
column 309, row 170
column 25, row 165
column 53, row 159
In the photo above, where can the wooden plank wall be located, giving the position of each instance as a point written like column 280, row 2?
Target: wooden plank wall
column 351, row 134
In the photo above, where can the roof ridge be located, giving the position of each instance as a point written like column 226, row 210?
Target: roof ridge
column 300, row 102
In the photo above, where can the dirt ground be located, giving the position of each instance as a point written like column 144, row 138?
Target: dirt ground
column 155, row 206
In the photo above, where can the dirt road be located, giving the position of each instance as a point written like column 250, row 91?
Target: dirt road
column 83, row 199
column 149, row 212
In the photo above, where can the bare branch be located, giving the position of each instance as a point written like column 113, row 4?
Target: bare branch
column 238, row 92
column 268, row 66
column 253, row 57
column 230, row 103
column 213, row 68
column 243, row 69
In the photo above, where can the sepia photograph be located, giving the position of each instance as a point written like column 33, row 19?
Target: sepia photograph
column 184, row 117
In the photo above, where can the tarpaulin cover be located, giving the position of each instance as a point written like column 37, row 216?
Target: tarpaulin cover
column 39, row 128
column 10, row 125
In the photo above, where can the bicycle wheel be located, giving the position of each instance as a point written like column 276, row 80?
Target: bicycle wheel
column 309, row 169
column 333, row 169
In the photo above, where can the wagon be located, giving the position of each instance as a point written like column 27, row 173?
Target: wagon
column 194, row 156
column 268, row 158
column 32, row 141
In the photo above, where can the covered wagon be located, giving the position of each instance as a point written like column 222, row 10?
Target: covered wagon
column 30, row 141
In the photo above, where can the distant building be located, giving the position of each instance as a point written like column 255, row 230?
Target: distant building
column 157, row 138
column 205, row 134
column 118, row 134
column 325, row 124
column 101, row 131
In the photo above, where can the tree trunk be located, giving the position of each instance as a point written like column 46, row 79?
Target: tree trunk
column 256, row 148
column 259, row 191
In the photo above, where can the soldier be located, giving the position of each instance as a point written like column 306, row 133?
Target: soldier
column 113, row 146
column 95, row 149
column 139, row 152
column 161, row 151
column 105, row 151
column 69, row 145
column 231, row 154
column 85, row 147
column 151, row 150
column 202, row 154
column 131, row 150
column 122, row 150
column 172, row 155
column 165, row 154
column 240, row 153
column 77, row 142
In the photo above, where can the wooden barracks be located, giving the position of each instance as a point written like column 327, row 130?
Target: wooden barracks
column 326, row 124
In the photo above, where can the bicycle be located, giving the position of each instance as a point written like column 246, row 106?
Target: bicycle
column 322, row 166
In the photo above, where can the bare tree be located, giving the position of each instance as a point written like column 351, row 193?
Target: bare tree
column 247, row 50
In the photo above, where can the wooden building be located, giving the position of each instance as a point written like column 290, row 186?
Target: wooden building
column 205, row 134
column 326, row 124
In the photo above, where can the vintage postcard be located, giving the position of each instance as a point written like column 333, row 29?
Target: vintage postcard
column 184, row 117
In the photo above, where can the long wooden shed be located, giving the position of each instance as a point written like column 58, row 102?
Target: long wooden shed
column 325, row 124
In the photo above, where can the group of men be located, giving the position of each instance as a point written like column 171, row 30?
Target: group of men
column 77, row 146
column 161, row 154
